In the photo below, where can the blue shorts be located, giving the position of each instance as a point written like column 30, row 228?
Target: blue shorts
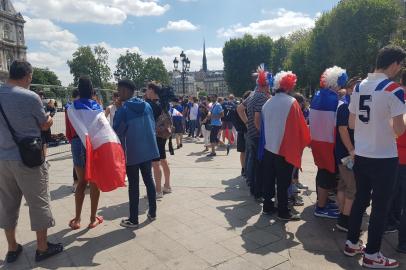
column 78, row 153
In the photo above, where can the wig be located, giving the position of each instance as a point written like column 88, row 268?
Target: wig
column 285, row 80
column 334, row 77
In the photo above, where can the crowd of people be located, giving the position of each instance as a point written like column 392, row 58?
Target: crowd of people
column 354, row 127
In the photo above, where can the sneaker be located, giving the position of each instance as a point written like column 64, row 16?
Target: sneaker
column 352, row 250
column 12, row 256
column 301, row 186
column 126, row 223
column 151, row 217
column 295, row 189
column 342, row 223
column 326, row 213
column 167, row 190
column 289, row 217
column 52, row 250
column 212, row 155
column 391, row 228
column 332, row 206
column 159, row 195
column 378, row 261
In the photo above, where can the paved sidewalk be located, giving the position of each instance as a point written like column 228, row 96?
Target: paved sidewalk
column 208, row 222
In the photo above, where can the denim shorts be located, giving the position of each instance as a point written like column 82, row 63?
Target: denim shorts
column 78, row 153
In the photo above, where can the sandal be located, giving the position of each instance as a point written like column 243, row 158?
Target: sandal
column 52, row 250
column 99, row 220
column 12, row 256
column 74, row 224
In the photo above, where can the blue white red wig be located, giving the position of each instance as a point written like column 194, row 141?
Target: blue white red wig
column 334, row 78
column 285, row 80
column 265, row 78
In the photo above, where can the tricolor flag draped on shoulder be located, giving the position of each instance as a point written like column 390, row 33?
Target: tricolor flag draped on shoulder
column 323, row 110
column 105, row 161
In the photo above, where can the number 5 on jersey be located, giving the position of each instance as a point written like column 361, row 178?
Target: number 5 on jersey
column 364, row 108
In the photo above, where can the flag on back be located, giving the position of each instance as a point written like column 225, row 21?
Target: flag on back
column 284, row 130
column 323, row 110
column 105, row 161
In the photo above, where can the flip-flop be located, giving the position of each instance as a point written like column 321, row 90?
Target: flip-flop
column 99, row 220
column 12, row 256
column 73, row 224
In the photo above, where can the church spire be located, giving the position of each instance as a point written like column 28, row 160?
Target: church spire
column 204, row 57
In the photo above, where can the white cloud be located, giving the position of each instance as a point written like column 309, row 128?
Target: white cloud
column 96, row 11
column 181, row 25
column 283, row 23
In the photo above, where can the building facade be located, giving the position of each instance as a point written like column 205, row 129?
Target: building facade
column 12, row 42
column 190, row 85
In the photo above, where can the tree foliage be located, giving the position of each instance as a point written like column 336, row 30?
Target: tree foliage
column 241, row 58
column 132, row 66
column 90, row 62
column 350, row 36
column 44, row 76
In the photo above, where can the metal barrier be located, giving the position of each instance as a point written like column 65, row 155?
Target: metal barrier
column 62, row 95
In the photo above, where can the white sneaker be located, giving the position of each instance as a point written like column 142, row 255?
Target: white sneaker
column 378, row 261
column 159, row 195
column 167, row 190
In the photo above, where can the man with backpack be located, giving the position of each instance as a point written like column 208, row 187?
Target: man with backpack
column 230, row 108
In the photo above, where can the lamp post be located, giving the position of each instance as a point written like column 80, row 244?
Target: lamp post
column 185, row 68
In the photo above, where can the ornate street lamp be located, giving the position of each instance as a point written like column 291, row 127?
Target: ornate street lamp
column 185, row 68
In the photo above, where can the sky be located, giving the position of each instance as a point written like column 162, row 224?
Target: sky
column 54, row 29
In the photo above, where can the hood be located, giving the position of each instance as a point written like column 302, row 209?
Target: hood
column 136, row 105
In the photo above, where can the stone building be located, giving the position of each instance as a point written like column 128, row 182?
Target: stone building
column 12, row 42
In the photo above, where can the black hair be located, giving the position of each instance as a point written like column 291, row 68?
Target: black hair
column 166, row 94
column 19, row 69
column 388, row 55
column 127, row 84
column 299, row 97
column 155, row 87
column 116, row 94
column 85, row 87
column 75, row 93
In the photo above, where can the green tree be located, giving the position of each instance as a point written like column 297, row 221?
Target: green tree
column 44, row 76
column 279, row 54
column 154, row 70
column 130, row 66
column 85, row 61
column 241, row 58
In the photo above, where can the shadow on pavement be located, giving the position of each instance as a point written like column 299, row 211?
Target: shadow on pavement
column 121, row 210
column 61, row 192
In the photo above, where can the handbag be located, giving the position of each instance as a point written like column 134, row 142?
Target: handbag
column 30, row 148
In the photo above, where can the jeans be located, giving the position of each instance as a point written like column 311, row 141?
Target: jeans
column 254, row 168
column 276, row 171
column 401, row 185
column 376, row 180
column 192, row 125
column 134, row 188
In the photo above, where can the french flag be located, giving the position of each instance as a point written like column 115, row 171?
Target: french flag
column 105, row 160
column 323, row 110
column 284, row 130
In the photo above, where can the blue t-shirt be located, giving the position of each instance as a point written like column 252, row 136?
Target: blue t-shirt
column 216, row 114
column 343, row 115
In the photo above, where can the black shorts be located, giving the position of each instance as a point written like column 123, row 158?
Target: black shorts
column 178, row 124
column 226, row 125
column 241, row 142
column 326, row 179
column 214, row 134
column 161, row 148
column 46, row 136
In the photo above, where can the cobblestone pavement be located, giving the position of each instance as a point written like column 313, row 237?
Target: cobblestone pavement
column 208, row 222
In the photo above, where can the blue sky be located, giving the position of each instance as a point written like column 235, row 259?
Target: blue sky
column 55, row 29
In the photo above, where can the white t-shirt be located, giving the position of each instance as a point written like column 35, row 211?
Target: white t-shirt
column 194, row 111
column 375, row 102
column 113, row 110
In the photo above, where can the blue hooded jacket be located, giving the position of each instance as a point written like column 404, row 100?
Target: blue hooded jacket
column 135, row 126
